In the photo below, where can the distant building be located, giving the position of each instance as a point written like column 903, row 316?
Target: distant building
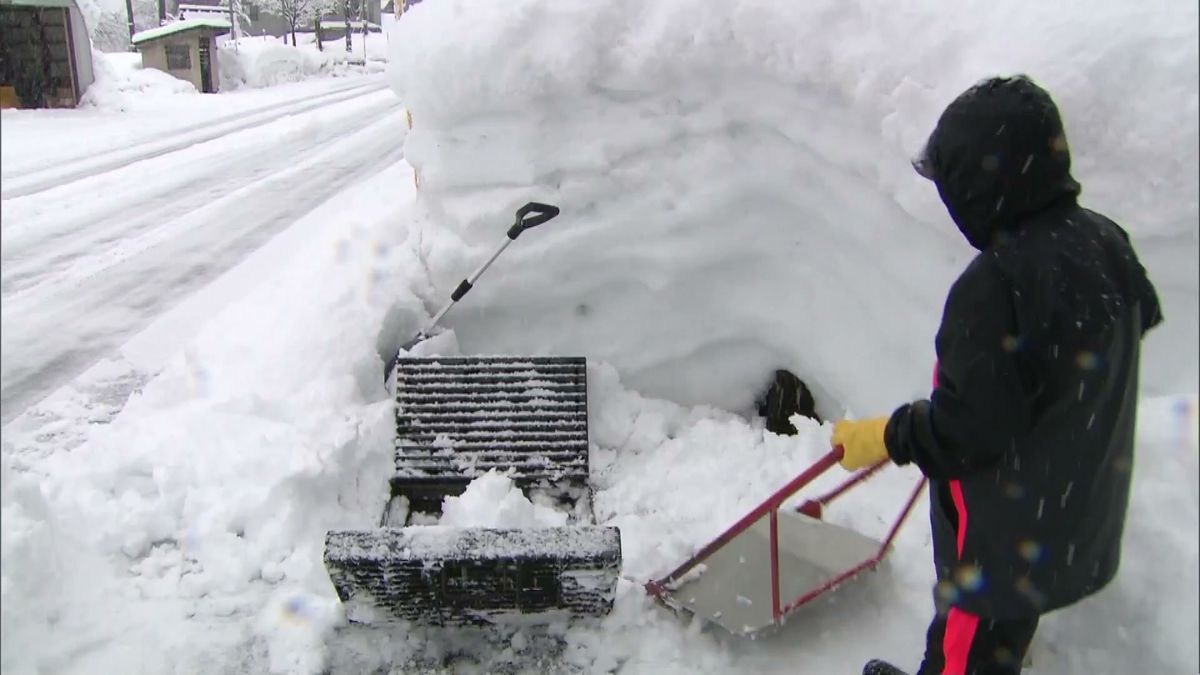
column 186, row 50
column 256, row 19
column 45, row 54
column 253, row 18
column 333, row 22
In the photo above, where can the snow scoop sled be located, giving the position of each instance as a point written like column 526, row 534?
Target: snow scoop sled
column 740, row 580
column 456, row 419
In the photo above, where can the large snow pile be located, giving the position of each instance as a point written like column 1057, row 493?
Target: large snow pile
column 264, row 62
column 188, row 531
column 374, row 46
column 122, row 84
column 735, row 180
column 267, row 62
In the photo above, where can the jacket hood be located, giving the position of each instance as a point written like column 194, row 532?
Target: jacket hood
column 998, row 155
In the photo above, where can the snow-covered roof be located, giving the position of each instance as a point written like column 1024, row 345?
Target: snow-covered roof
column 203, row 9
column 180, row 26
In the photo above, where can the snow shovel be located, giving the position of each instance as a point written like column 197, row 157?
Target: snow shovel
column 740, row 580
column 528, row 217
column 457, row 418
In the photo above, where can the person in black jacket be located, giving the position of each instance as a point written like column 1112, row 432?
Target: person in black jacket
column 1027, row 437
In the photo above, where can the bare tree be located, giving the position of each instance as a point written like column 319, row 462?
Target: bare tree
column 240, row 9
column 366, row 16
column 112, row 30
column 294, row 12
column 132, row 23
column 319, row 9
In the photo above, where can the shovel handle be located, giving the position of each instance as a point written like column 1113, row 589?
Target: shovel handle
column 544, row 213
column 814, row 508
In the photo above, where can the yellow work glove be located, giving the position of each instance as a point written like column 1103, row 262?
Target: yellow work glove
column 861, row 441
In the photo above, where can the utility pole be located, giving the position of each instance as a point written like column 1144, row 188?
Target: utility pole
column 366, row 15
column 129, row 9
column 349, row 28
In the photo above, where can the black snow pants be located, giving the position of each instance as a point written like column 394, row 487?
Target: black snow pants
column 959, row 643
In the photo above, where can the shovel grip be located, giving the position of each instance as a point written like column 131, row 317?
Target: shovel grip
column 542, row 213
column 464, row 287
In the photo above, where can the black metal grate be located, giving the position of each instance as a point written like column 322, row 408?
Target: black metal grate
column 442, row 577
column 458, row 417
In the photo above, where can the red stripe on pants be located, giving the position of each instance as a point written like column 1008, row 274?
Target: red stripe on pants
column 960, row 625
column 956, row 644
column 960, row 505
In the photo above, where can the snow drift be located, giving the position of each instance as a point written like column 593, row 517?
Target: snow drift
column 735, row 181
column 122, row 84
column 266, row 62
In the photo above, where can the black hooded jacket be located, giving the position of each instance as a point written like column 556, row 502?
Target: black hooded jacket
column 1028, row 434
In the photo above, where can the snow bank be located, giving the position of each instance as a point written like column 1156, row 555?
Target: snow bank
column 188, row 531
column 735, row 181
column 122, row 84
column 267, row 62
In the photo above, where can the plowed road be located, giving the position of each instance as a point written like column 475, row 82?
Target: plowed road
column 95, row 247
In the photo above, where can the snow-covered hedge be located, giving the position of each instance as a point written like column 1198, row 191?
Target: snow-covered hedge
column 265, row 62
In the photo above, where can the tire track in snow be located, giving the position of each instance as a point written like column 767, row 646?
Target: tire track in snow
column 47, row 343
column 63, row 173
column 18, row 169
column 50, row 241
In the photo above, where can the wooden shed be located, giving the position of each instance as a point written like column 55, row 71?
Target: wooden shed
column 45, row 54
column 185, row 49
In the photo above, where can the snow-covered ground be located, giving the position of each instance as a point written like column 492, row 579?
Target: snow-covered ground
column 130, row 107
column 736, row 197
column 77, row 255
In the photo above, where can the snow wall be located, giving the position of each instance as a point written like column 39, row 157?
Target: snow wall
column 735, row 182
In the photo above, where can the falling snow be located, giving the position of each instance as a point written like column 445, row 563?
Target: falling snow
column 200, row 504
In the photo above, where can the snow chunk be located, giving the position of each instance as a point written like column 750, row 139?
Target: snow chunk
column 493, row 500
